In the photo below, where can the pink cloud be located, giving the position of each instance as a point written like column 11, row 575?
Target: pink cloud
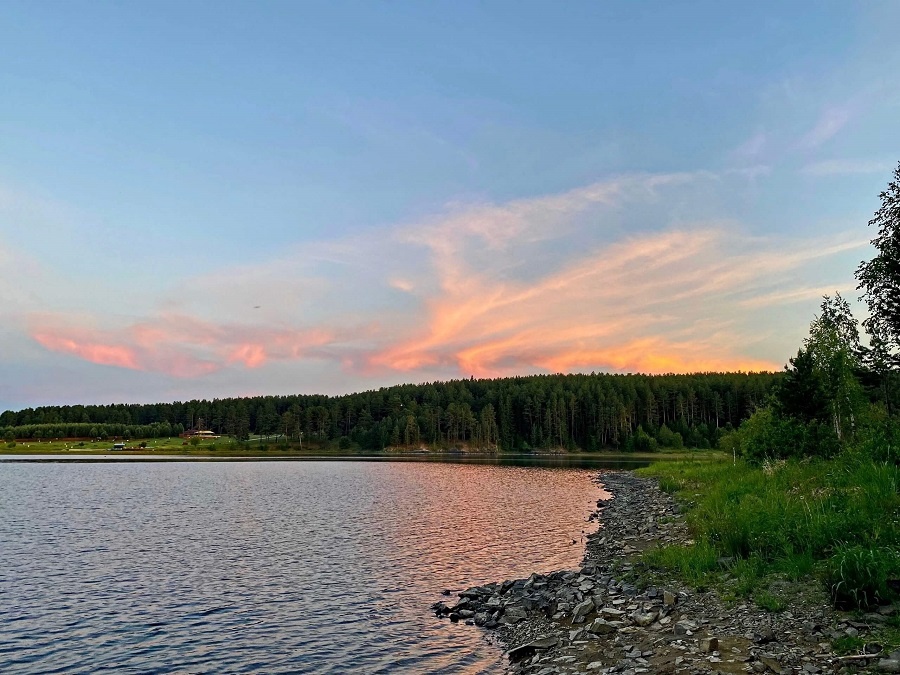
column 490, row 290
column 176, row 345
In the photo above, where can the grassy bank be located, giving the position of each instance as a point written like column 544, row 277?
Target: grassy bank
column 767, row 532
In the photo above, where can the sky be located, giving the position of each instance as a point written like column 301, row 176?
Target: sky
column 213, row 199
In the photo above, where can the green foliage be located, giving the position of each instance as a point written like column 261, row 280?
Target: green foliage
column 345, row 443
column 847, row 644
column 769, row 602
column 857, row 576
column 801, row 393
column 195, row 441
column 11, row 444
column 879, row 278
column 695, row 564
column 641, row 441
column 669, row 439
column 789, row 516
column 768, row 435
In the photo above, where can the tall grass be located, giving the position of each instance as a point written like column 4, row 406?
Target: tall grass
column 837, row 516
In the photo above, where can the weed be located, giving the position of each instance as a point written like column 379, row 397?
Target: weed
column 695, row 563
column 847, row 645
column 858, row 576
column 769, row 602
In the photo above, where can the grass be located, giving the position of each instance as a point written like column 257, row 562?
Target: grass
column 836, row 520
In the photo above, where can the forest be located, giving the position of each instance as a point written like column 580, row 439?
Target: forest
column 575, row 412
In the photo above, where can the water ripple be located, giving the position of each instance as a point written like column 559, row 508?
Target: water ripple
column 278, row 567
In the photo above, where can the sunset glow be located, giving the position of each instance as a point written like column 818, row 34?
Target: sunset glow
column 333, row 208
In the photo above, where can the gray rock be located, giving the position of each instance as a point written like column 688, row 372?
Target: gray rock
column 685, row 627
column 602, row 627
column 526, row 650
column 709, row 645
column 889, row 665
column 513, row 615
column 644, row 619
column 582, row 610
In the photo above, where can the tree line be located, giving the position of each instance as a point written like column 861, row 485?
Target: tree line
column 577, row 411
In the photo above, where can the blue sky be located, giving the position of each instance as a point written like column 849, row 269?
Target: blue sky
column 206, row 199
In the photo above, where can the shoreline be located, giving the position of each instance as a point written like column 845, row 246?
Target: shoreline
column 606, row 617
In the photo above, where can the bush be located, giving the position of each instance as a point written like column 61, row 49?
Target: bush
column 344, row 443
column 767, row 435
column 858, row 576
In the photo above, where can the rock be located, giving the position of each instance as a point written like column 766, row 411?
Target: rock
column 765, row 636
column 582, row 610
column 612, row 613
column 526, row 650
column 602, row 627
column 889, row 665
column 669, row 598
column 513, row 615
column 644, row 619
column 685, row 627
column 709, row 645
column 770, row 662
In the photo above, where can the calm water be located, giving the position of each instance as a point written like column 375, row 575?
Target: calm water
column 264, row 567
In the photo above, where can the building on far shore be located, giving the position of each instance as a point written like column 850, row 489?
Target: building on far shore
column 199, row 433
column 118, row 446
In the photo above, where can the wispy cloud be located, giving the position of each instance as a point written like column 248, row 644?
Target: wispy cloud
column 753, row 147
column 545, row 284
column 830, row 122
column 843, row 167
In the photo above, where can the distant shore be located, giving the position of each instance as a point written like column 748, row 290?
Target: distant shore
column 253, row 449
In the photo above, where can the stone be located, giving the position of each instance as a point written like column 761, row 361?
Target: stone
column 582, row 610
column 528, row 649
column 889, row 665
column 601, row 627
column 669, row 599
column 513, row 615
column 644, row 619
column 685, row 627
column 708, row 645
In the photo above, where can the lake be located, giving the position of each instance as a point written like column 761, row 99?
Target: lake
column 275, row 567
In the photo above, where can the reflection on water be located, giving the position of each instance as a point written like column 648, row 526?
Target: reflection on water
column 300, row 566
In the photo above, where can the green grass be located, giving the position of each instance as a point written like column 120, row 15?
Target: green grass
column 837, row 519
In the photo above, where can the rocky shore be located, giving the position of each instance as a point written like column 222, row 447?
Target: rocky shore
column 606, row 618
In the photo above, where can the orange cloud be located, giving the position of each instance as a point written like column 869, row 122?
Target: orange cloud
column 545, row 284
